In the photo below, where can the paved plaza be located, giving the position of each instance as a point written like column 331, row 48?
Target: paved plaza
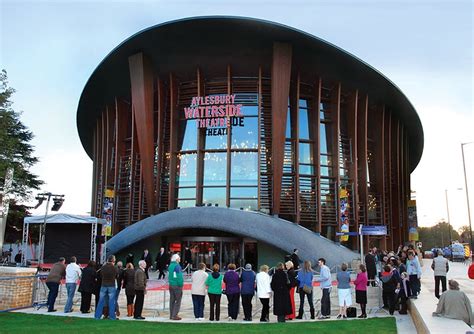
column 156, row 307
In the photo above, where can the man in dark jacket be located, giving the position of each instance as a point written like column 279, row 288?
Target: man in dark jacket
column 162, row 262
column 88, row 286
column 146, row 256
column 129, row 259
column 108, row 273
column 247, row 290
column 188, row 258
column 389, row 285
column 56, row 274
column 370, row 263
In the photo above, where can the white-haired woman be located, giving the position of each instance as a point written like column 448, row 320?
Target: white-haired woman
column 140, row 290
column 264, row 291
column 176, row 283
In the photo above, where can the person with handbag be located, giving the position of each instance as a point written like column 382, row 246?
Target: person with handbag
column 344, row 291
column 305, row 288
column 361, row 289
column 281, row 293
column 292, row 277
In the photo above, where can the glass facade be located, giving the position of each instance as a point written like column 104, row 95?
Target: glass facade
column 229, row 174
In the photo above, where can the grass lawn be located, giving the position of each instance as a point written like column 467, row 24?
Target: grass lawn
column 36, row 323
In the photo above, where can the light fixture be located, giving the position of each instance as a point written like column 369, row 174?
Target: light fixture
column 57, row 202
column 40, row 200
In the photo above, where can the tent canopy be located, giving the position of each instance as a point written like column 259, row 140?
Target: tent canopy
column 63, row 218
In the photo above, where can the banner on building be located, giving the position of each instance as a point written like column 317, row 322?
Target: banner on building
column 107, row 212
column 344, row 213
column 412, row 221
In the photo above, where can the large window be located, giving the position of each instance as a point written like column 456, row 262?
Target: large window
column 239, row 162
column 190, row 135
column 186, row 180
column 215, row 168
column 245, row 137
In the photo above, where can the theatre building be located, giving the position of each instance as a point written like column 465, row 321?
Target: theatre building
column 243, row 139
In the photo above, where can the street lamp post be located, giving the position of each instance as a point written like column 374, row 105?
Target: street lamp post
column 467, row 195
column 449, row 225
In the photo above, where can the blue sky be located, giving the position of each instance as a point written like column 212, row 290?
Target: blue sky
column 50, row 48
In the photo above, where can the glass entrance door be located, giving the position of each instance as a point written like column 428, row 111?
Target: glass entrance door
column 207, row 252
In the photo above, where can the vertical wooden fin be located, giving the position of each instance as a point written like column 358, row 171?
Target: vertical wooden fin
column 281, row 72
column 141, row 82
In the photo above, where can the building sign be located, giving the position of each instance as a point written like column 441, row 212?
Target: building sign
column 215, row 113
column 374, row 230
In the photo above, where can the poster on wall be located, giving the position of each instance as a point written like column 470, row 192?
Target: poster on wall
column 412, row 221
column 344, row 213
column 107, row 212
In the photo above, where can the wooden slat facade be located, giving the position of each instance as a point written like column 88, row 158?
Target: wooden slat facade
column 138, row 138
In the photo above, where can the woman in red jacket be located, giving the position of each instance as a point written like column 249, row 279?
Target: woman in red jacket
column 361, row 289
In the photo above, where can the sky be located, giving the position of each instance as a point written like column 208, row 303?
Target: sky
column 50, row 48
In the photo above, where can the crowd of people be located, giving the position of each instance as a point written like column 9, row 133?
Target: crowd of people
column 398, row 273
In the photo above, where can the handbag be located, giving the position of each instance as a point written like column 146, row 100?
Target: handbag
column 307, row 289
column 351, row 312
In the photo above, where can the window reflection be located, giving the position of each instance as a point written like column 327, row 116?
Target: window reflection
column 288, row 124
column 215, row 168
column 322, row 139
column 187, row 170
column 214, row 195
column 190, row 135
column 244, row 204
column 244, row 168
column 216, row 142
column 246, row 136
column 306, row 153
column 188, row 203
column 187, row 192
column 243, row 164
column 243, row 192
column 306, row 169
column 250, row 110
column 303, row 122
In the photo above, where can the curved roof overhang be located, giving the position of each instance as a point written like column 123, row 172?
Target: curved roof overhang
column 211, row 43
column 276, row 232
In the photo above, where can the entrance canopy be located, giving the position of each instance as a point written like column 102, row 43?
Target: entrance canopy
column 274, row 231
column 63, row 218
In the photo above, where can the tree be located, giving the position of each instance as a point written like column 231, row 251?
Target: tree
column 16, row 152
column 15, row 148
column 464, row 234
column 437, row 235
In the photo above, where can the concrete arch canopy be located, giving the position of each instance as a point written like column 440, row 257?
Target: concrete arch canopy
column 274, row 231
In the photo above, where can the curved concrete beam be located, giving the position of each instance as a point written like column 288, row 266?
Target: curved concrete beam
column 276, row 232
